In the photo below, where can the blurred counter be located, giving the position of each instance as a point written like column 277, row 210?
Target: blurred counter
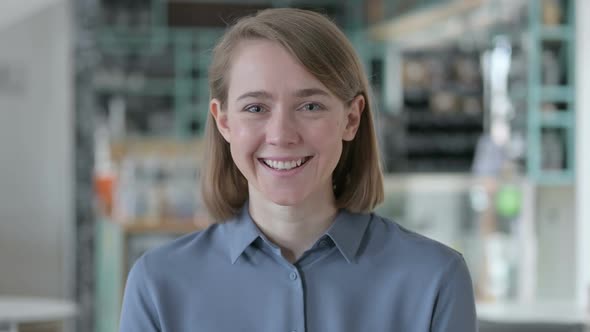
column 549, row 312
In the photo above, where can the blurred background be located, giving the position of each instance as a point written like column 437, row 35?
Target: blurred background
column 483, row 120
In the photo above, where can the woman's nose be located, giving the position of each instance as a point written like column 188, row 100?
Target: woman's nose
column 281, row 129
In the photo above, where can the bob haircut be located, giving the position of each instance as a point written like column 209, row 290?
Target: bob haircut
column 318, row 44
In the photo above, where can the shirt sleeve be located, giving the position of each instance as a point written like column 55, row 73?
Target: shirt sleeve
column 138, row 313
column 454, row 310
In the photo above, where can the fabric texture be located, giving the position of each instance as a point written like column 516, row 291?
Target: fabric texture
column 366, row 273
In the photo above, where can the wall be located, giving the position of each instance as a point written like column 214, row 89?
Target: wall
column 556, row 237
column 36, row 137
column 14, row 10
column 583, row 150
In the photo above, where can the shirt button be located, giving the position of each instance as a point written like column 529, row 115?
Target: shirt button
column 293, row 276
column 323, row 243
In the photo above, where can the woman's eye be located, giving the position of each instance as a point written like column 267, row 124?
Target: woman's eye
column 254, row 109
column 312, row 107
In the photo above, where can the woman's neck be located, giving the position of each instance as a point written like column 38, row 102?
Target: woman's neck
column 293, row 228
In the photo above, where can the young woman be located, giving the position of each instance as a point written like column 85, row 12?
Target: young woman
column 292, row 174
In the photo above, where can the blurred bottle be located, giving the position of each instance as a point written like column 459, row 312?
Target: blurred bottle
column 126, row 194
column 104, row 171
column 182, row 189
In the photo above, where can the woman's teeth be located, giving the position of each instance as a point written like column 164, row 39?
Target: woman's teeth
column 284, row 165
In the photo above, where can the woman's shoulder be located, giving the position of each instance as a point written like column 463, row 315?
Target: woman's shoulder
column 402, row 242
column 193, row 247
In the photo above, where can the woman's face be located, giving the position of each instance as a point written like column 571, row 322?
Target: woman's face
column 285, row 128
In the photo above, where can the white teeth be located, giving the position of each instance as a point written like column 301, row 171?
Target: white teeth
column 283, row 165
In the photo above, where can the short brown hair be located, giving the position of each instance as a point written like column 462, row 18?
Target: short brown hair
column 326, row 53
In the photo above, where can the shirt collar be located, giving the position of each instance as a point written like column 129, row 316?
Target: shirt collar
column 242, row 232
column 347, row 232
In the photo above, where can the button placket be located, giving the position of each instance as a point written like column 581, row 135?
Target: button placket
column 297, row 321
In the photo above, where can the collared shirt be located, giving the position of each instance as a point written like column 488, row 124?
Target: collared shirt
column 366, row 273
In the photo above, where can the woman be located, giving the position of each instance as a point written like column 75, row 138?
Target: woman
column 292, row 175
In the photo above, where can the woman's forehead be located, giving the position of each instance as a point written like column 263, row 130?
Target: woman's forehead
column 267, row 67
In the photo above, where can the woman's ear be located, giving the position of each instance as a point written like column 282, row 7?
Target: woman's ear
column 220, row 118
column 353, row 117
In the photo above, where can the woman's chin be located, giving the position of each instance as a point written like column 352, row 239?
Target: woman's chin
column 296, row 194
column 285, row 197
column 286, row 200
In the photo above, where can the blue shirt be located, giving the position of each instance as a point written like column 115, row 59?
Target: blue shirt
column 365, row 274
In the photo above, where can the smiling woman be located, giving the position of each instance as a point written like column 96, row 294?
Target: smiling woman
column 292, row 175
column 272, row 121
column 289, row 60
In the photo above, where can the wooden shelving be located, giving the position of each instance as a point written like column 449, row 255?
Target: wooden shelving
column 159, row 147
column 152, row 226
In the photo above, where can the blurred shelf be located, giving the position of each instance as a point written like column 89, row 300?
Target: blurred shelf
column 129, row 38
column 555, row 177
column 160, row 147
column 562, row 31
column 159, row 61
column 143, row 87
column 428, row 119
column 538, row 312
column 150, row 226
column 557, row 93
column 556, row 33
column 436, row 182
column 557, row 119
column 421, row 18
column 124, row 41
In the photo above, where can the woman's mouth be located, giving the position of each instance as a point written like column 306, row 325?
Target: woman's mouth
column 285, row 165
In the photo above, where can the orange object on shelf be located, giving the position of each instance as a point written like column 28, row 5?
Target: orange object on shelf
column 104, row 186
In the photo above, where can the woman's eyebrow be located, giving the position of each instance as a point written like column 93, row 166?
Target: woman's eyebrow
column 303, row 93
column 256, row 94
column 311, row 92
